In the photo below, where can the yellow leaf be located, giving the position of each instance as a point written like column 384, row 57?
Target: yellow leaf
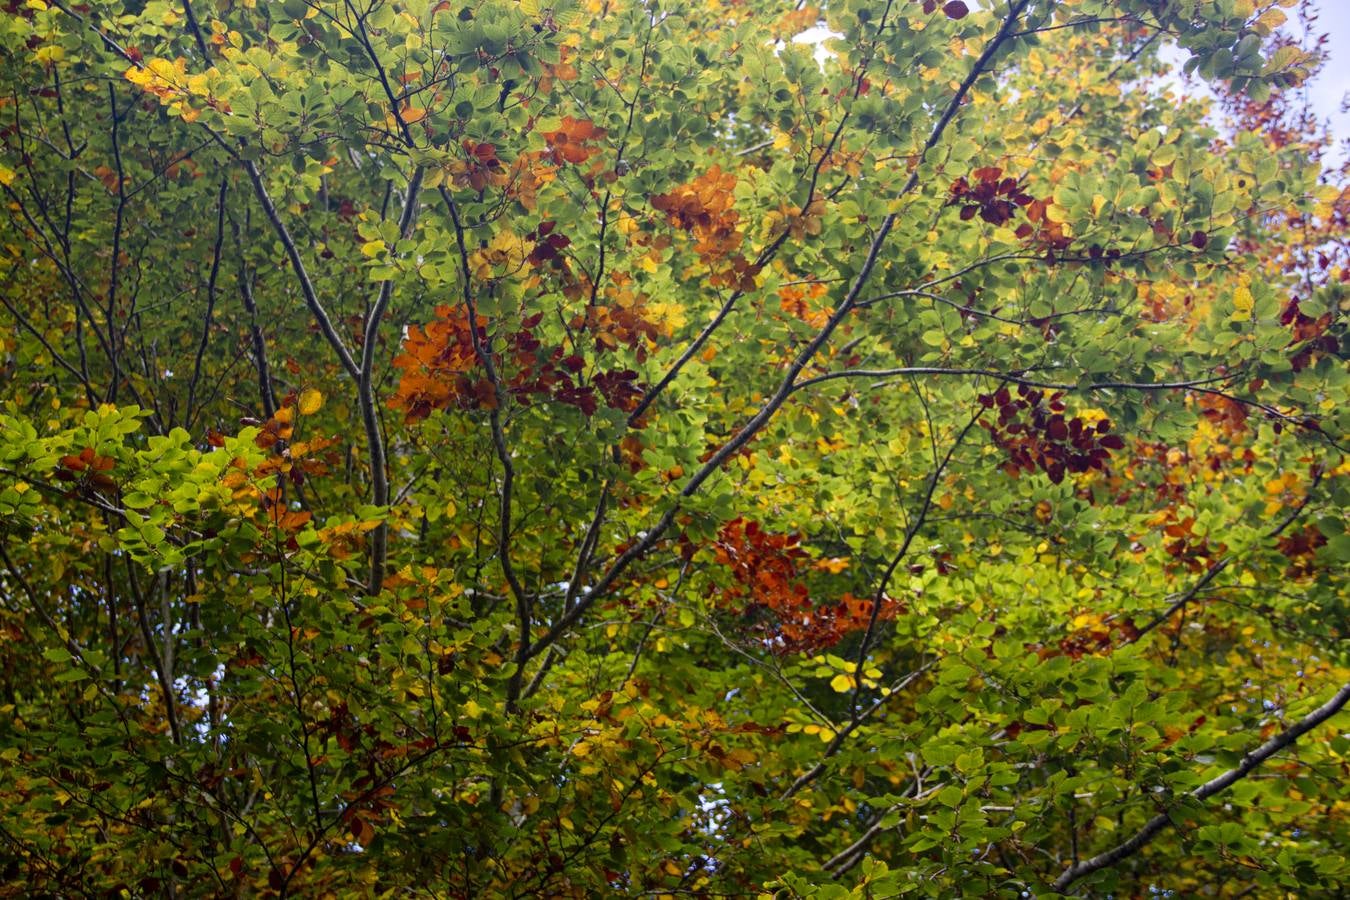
column 6, row 175
column 841, row 683
column 310, row 402
column 1270, row 20
column 1242, row 304
column 413, row 114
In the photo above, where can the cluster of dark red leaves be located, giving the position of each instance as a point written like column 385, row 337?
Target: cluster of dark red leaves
column 956, row 9
column 556, row 374
column 1036, row 434
column 996, row 199
column 441, row 370
column 1300, row 547
column 769, row 592
column 1189, row 550
column 988, row 194
column 1097, row 638
column 1312, row 334
column 482, row 166
column 87, row 470
column 548, row 247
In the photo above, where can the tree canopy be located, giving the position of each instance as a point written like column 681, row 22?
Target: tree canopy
column 618, row 447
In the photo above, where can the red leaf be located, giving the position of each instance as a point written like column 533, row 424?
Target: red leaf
column 956, row 10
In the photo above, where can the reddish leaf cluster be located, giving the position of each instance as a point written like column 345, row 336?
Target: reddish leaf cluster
column 995, row 198
column 1096, row 637
column 1311, row 335
column 1041, row 231
column 769, row 590
column 289, row 521
column 294, row 460
column 441, row 370
column 573, row 141
column 1300, row 547
column 548, row 247
column 1034, row 431
column 480, row 168
column 620, row 323
column 943, row 562
column 1226, row 414
column 1188, row 549
column 87, row 470
column 956, row 9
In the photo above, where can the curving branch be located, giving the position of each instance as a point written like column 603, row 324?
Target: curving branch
column 370, row 416
column 1019, row 377
column 1250, row 762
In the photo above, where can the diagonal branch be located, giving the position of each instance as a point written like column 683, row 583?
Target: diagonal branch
column 307, row 289
column 1214, row 786
column 788, row 385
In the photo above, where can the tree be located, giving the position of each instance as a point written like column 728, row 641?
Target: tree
column 509, row 449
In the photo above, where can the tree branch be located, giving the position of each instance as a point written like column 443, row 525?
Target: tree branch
column 1249, row 763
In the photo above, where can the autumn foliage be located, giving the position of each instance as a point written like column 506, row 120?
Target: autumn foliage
column 658, row 449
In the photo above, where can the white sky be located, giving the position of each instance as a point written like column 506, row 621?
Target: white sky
column 1327, row 92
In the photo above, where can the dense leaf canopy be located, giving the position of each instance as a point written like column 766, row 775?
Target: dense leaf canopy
column 616, row 447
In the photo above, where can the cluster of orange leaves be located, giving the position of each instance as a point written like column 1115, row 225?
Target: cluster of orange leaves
column 769, row 590
column 287, row 459
column 797, row 301
column 621, row 322
column 1041, row 230
column 573, row 142
column 705, row 208
column 795, row 22
column 295, row 460
column 1187, row 549
column 438, row 364
column 480, row 167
